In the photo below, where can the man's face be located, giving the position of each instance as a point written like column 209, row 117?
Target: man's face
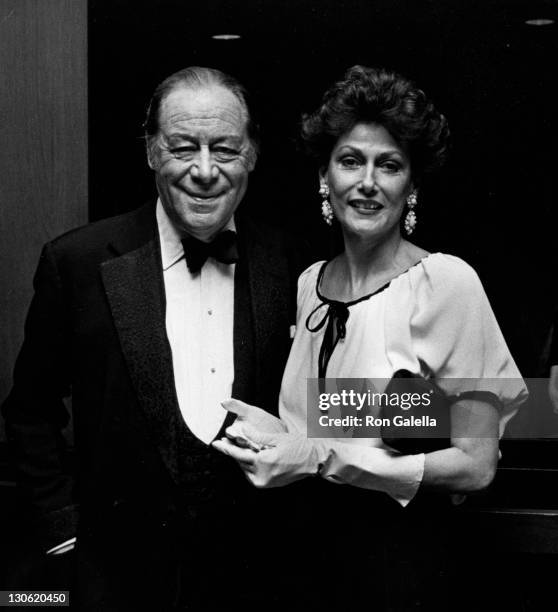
column 202, row 157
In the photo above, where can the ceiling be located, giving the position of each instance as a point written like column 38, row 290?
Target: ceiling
column 492, row 75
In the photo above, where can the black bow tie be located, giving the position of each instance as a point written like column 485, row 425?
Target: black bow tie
column 223, row 248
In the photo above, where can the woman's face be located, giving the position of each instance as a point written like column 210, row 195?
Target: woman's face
column 369, row 177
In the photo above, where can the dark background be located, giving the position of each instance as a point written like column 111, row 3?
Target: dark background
column 492, row 75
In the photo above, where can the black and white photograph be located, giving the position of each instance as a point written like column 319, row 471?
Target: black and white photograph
column 279, row 311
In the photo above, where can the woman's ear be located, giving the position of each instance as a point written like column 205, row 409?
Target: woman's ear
column 322, row 176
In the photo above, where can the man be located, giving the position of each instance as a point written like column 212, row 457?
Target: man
column 149, row 320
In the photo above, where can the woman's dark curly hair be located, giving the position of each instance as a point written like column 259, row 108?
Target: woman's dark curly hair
column 375, row 95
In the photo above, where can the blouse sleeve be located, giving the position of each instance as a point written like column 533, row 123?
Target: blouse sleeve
column 553, row 355
column 456, row 337
column 306, row 288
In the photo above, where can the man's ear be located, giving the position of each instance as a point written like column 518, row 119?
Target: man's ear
column 251, row 158
column 149, row 151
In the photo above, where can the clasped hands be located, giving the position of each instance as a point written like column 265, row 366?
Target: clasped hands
column 268, row 454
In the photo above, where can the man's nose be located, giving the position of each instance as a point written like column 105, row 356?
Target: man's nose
column 368, row 180
column 204, row 170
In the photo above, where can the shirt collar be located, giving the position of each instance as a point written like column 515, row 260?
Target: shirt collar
column 171, row 239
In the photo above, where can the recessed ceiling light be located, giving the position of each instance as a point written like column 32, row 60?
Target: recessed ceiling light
column 226, row 36
column 539, row 22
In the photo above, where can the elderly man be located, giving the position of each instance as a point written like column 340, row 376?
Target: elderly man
column 148, row 321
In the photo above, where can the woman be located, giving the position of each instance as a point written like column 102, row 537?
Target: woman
column 382, row 306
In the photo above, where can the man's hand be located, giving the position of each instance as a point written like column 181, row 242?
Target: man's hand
column 283, row 458
column 256, row 418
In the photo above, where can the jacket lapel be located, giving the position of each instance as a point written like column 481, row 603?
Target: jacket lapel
column 134, row 285
column 135, row 291
column 243, row 333
column 268, row 287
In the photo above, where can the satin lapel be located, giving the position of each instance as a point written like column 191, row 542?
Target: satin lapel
column 134, row 287
column 260, row 296
column 268, row 280
column 243, row 334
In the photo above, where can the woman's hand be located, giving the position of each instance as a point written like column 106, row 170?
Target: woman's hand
column 283, row 458
column 256, row 418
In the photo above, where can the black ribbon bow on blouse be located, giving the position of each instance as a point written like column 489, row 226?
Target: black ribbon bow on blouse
column 223, row 248
column 336, row 318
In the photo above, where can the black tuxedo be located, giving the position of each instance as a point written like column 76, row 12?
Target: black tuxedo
column 145, row 489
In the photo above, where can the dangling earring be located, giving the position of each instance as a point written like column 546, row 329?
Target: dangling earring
column 411, row 217
column 327, row 211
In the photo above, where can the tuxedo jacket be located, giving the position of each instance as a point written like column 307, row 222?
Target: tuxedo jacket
column 96, row 332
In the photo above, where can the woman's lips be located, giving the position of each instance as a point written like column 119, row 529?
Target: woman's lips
column 366, row 205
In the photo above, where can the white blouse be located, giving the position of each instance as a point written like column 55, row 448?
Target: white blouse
column 434, row 319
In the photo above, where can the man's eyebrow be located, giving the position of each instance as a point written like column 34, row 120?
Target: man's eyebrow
column 232, row 138
column 218, row 137
column 190, row 136
column 181, row 136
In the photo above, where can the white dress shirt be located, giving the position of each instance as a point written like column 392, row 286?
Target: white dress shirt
column 199, row 322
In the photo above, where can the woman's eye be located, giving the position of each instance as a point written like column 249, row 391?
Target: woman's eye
column 349, row 162
column 391, row 166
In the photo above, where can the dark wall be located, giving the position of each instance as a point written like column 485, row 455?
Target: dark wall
column 43, row 157
column 490, row 73
column 43, row 190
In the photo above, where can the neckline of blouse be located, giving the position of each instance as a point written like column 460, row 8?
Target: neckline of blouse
column 327, row 300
